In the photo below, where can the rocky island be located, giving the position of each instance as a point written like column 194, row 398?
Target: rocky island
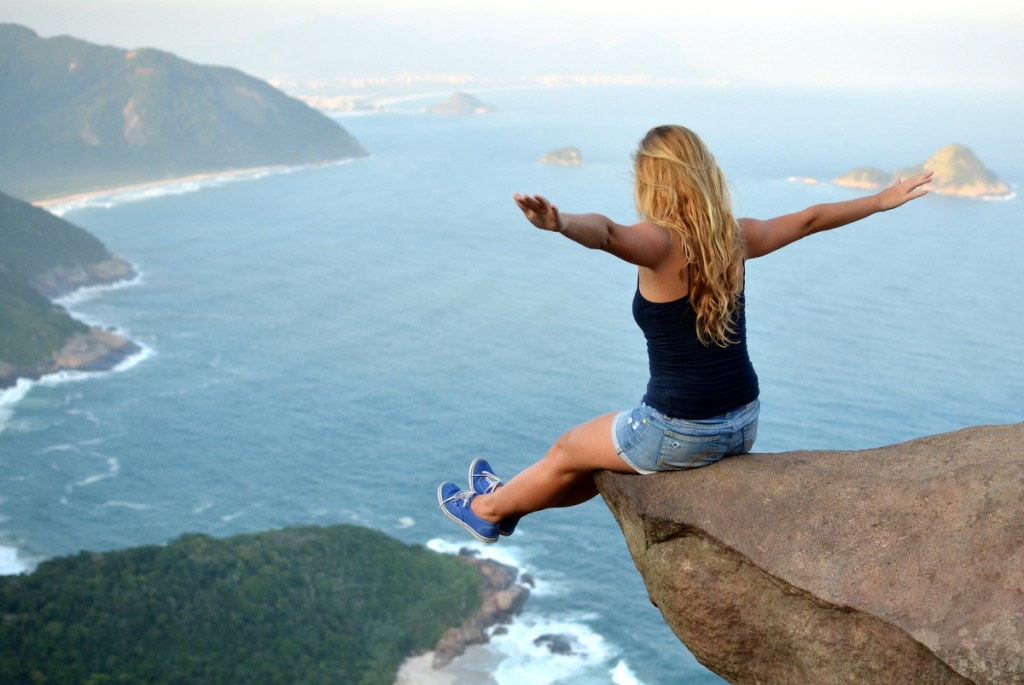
column 45, row 257
column 563, row 156
column 460, row 104
column 958, row 171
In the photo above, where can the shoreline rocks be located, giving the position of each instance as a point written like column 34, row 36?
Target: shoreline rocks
column 63, row 280
column 503, row 598
column 97, row 350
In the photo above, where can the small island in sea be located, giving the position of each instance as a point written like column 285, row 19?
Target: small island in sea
column 460, row 104
column 563, row 156
column 958, row 171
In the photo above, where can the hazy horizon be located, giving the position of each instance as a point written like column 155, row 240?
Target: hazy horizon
column 940, row 44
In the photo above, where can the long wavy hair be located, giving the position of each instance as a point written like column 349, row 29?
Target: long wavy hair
column 679, row 185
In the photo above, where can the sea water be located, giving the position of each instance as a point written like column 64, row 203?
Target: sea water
column 325, row 345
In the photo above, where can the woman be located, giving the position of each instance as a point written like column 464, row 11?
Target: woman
column 701, row 402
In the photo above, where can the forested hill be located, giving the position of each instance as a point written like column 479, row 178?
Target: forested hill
column 308, row 605
column 75, row 116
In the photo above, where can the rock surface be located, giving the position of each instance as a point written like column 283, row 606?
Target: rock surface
column 96, row 350
column 503, row 599
column 902, row 564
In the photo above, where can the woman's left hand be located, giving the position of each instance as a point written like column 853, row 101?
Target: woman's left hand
column 540, row 212
column 904, row 190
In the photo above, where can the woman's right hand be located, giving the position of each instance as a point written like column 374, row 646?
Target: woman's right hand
column 540, row 212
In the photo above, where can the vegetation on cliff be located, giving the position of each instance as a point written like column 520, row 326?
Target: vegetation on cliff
column 32, row 328
column 77, row 116
column 45, row 256
column 340, row 604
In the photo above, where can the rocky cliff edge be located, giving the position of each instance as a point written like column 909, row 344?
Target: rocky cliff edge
column 902, row 564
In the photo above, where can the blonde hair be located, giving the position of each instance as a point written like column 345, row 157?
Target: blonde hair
column 678, row 185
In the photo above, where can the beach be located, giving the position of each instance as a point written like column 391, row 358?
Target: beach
column 75, row 199
column 474, row 667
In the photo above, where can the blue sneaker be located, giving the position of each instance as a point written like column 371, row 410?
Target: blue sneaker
column 455, row 505
column 482, row 481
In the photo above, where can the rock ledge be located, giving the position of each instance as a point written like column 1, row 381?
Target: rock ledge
column 902, row 564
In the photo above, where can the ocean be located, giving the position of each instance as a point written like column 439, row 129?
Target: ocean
column 326, row 344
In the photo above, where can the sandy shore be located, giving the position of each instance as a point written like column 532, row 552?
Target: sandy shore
column 473, row 667
column 205, row 176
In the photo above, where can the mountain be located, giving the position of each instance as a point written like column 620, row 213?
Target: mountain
column 339, row 604
column 958, row 171
column 44, row 256
column 77, row 116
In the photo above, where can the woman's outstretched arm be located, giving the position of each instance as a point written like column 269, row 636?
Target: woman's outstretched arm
column 643, row 244
column 763, row 237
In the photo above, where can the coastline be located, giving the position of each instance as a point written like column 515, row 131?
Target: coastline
column 74, row 198
column 459, row 657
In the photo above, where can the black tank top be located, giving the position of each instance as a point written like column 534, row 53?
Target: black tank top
column 688, row 379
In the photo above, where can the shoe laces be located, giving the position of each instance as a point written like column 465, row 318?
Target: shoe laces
column 491, row 480
column 463, row 495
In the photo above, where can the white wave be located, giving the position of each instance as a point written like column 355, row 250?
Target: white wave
column 201, row 507
column 10, row 563
column 90, row 292
column 622, row 675
column 529, row 658
column 121, row 504
column 405, row 522
column 63, row 447
column 10, row 397
column 61, row 377
column 503, row 553
column 113, row 469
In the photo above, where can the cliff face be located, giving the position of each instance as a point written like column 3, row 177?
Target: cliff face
column 903, row 564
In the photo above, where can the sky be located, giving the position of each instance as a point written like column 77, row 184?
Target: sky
column 934, row 44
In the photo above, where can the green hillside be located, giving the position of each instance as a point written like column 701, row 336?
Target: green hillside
column 76, row 116
column 31, row 327
column 34, row 240
column 299, row 606
column 42, row 255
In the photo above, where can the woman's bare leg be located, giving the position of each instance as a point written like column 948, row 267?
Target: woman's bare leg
column 572, row 459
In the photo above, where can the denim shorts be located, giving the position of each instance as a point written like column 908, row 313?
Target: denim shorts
column 650, row 442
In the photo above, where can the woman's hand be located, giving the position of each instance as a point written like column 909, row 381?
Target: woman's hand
column 903, row 190
column 540, row 212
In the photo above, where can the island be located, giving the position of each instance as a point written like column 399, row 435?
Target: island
column 563, row 156
column 45, row 257
column 80, row 117
column 311, row 604
column 958, row 172
column 460, row 104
